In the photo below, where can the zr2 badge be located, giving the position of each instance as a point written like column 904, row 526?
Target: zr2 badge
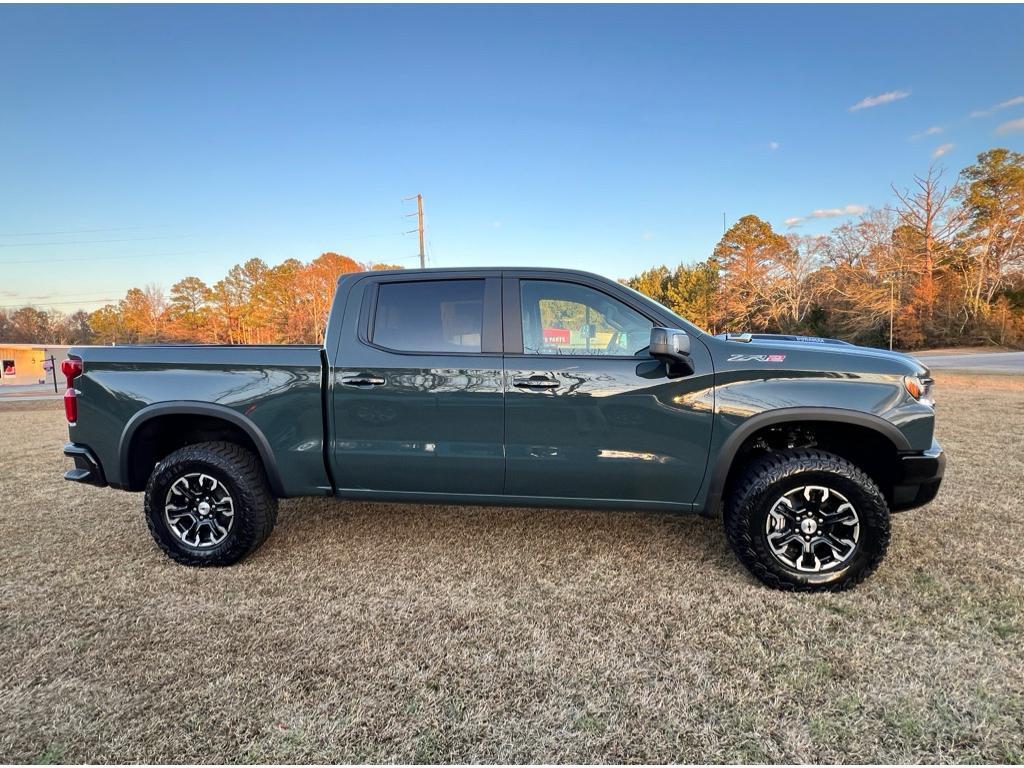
column 756, row 358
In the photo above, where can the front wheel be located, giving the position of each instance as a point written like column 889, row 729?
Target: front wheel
column 209, row 504
column 807, row 520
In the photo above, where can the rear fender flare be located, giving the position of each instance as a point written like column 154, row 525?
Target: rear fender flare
column 197, row 408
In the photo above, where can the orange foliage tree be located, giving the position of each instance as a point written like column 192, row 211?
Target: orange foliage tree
column 252, row 304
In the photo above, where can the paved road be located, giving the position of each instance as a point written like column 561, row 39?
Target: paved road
column 16, row 393
column 977, row 362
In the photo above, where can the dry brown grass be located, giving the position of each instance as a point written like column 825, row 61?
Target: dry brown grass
column 376, row 632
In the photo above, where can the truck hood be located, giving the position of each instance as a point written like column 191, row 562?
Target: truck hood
column 810, row 347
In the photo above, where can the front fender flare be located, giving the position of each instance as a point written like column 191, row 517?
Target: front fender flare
column 723, row 462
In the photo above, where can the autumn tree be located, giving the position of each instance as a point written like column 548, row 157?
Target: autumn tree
column 29, row 324
column 76, row 329
column 745, row 257
column 652, row 282
column 239, row 315
column 992, row 192
column 861, row 273
column 930, row 222
column 281, row 299
column 692, row 293
column 315, row 285
column 253, row 304
column 791, row 290
column 107, row 326
column 142, row 314
column 188, row 310
column 67, row 329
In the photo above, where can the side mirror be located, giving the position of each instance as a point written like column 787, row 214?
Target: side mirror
column 672, row 346
column 669, row 344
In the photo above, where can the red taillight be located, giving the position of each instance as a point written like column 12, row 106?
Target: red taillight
column 71, row 369
column 71, row 405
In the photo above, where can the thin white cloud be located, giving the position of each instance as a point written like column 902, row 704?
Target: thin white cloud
column 941, row 150
column 935, row 130
column 773, row 145
column 1015, row 101
column 826, row 213
column 882, row 98
column 647, row 235
column 495, row 225
column 846, row 210
column 1012, row 126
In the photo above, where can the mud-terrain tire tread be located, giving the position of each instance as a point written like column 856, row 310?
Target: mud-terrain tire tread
column 255, row 505
column 777, row 467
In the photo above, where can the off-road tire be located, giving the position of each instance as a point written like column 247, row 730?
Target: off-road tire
column 255, row 508
column 767, row 478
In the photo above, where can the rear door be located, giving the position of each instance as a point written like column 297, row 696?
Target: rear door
column 418, row 398
column 589, row 414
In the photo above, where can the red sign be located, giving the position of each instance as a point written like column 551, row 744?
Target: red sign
column 556, row 335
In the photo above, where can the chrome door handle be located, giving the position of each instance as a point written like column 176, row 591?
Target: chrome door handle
column 535, row 382
column 362, row 381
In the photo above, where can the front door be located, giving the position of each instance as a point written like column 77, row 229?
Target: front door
column 418, row 402
column 589, row 414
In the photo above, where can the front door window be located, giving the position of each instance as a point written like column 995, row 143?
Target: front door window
column 570, row 319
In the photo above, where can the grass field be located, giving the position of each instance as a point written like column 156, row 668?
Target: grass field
column 374, row 632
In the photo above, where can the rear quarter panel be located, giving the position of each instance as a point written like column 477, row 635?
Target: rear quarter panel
column 276, row 389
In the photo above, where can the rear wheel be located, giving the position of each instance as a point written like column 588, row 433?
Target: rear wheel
column 209, row 504
column 807, row 520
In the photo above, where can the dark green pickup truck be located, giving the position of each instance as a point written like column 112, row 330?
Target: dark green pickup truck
column 516, row 386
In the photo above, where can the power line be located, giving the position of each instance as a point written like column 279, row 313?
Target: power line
column 102, row 258
column 69, row 295
column 89, row 242
column 372, row 237
column 55, row 303
column 70, row 232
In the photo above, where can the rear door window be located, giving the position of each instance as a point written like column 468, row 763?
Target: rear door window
column 444, row 316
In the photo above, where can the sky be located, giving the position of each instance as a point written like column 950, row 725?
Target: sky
column 141, row 144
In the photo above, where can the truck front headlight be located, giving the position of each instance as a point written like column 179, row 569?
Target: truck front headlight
column 921, row 389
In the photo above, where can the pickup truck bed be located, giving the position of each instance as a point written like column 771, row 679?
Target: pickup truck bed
column 135, row 399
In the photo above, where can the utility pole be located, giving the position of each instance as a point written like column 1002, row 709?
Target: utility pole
column 892, row 306
column 419, row 227
column 892, row 311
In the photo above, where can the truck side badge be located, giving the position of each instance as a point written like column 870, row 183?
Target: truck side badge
column 756, row 358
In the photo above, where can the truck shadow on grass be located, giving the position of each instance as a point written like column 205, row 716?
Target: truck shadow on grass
column 482, row 539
